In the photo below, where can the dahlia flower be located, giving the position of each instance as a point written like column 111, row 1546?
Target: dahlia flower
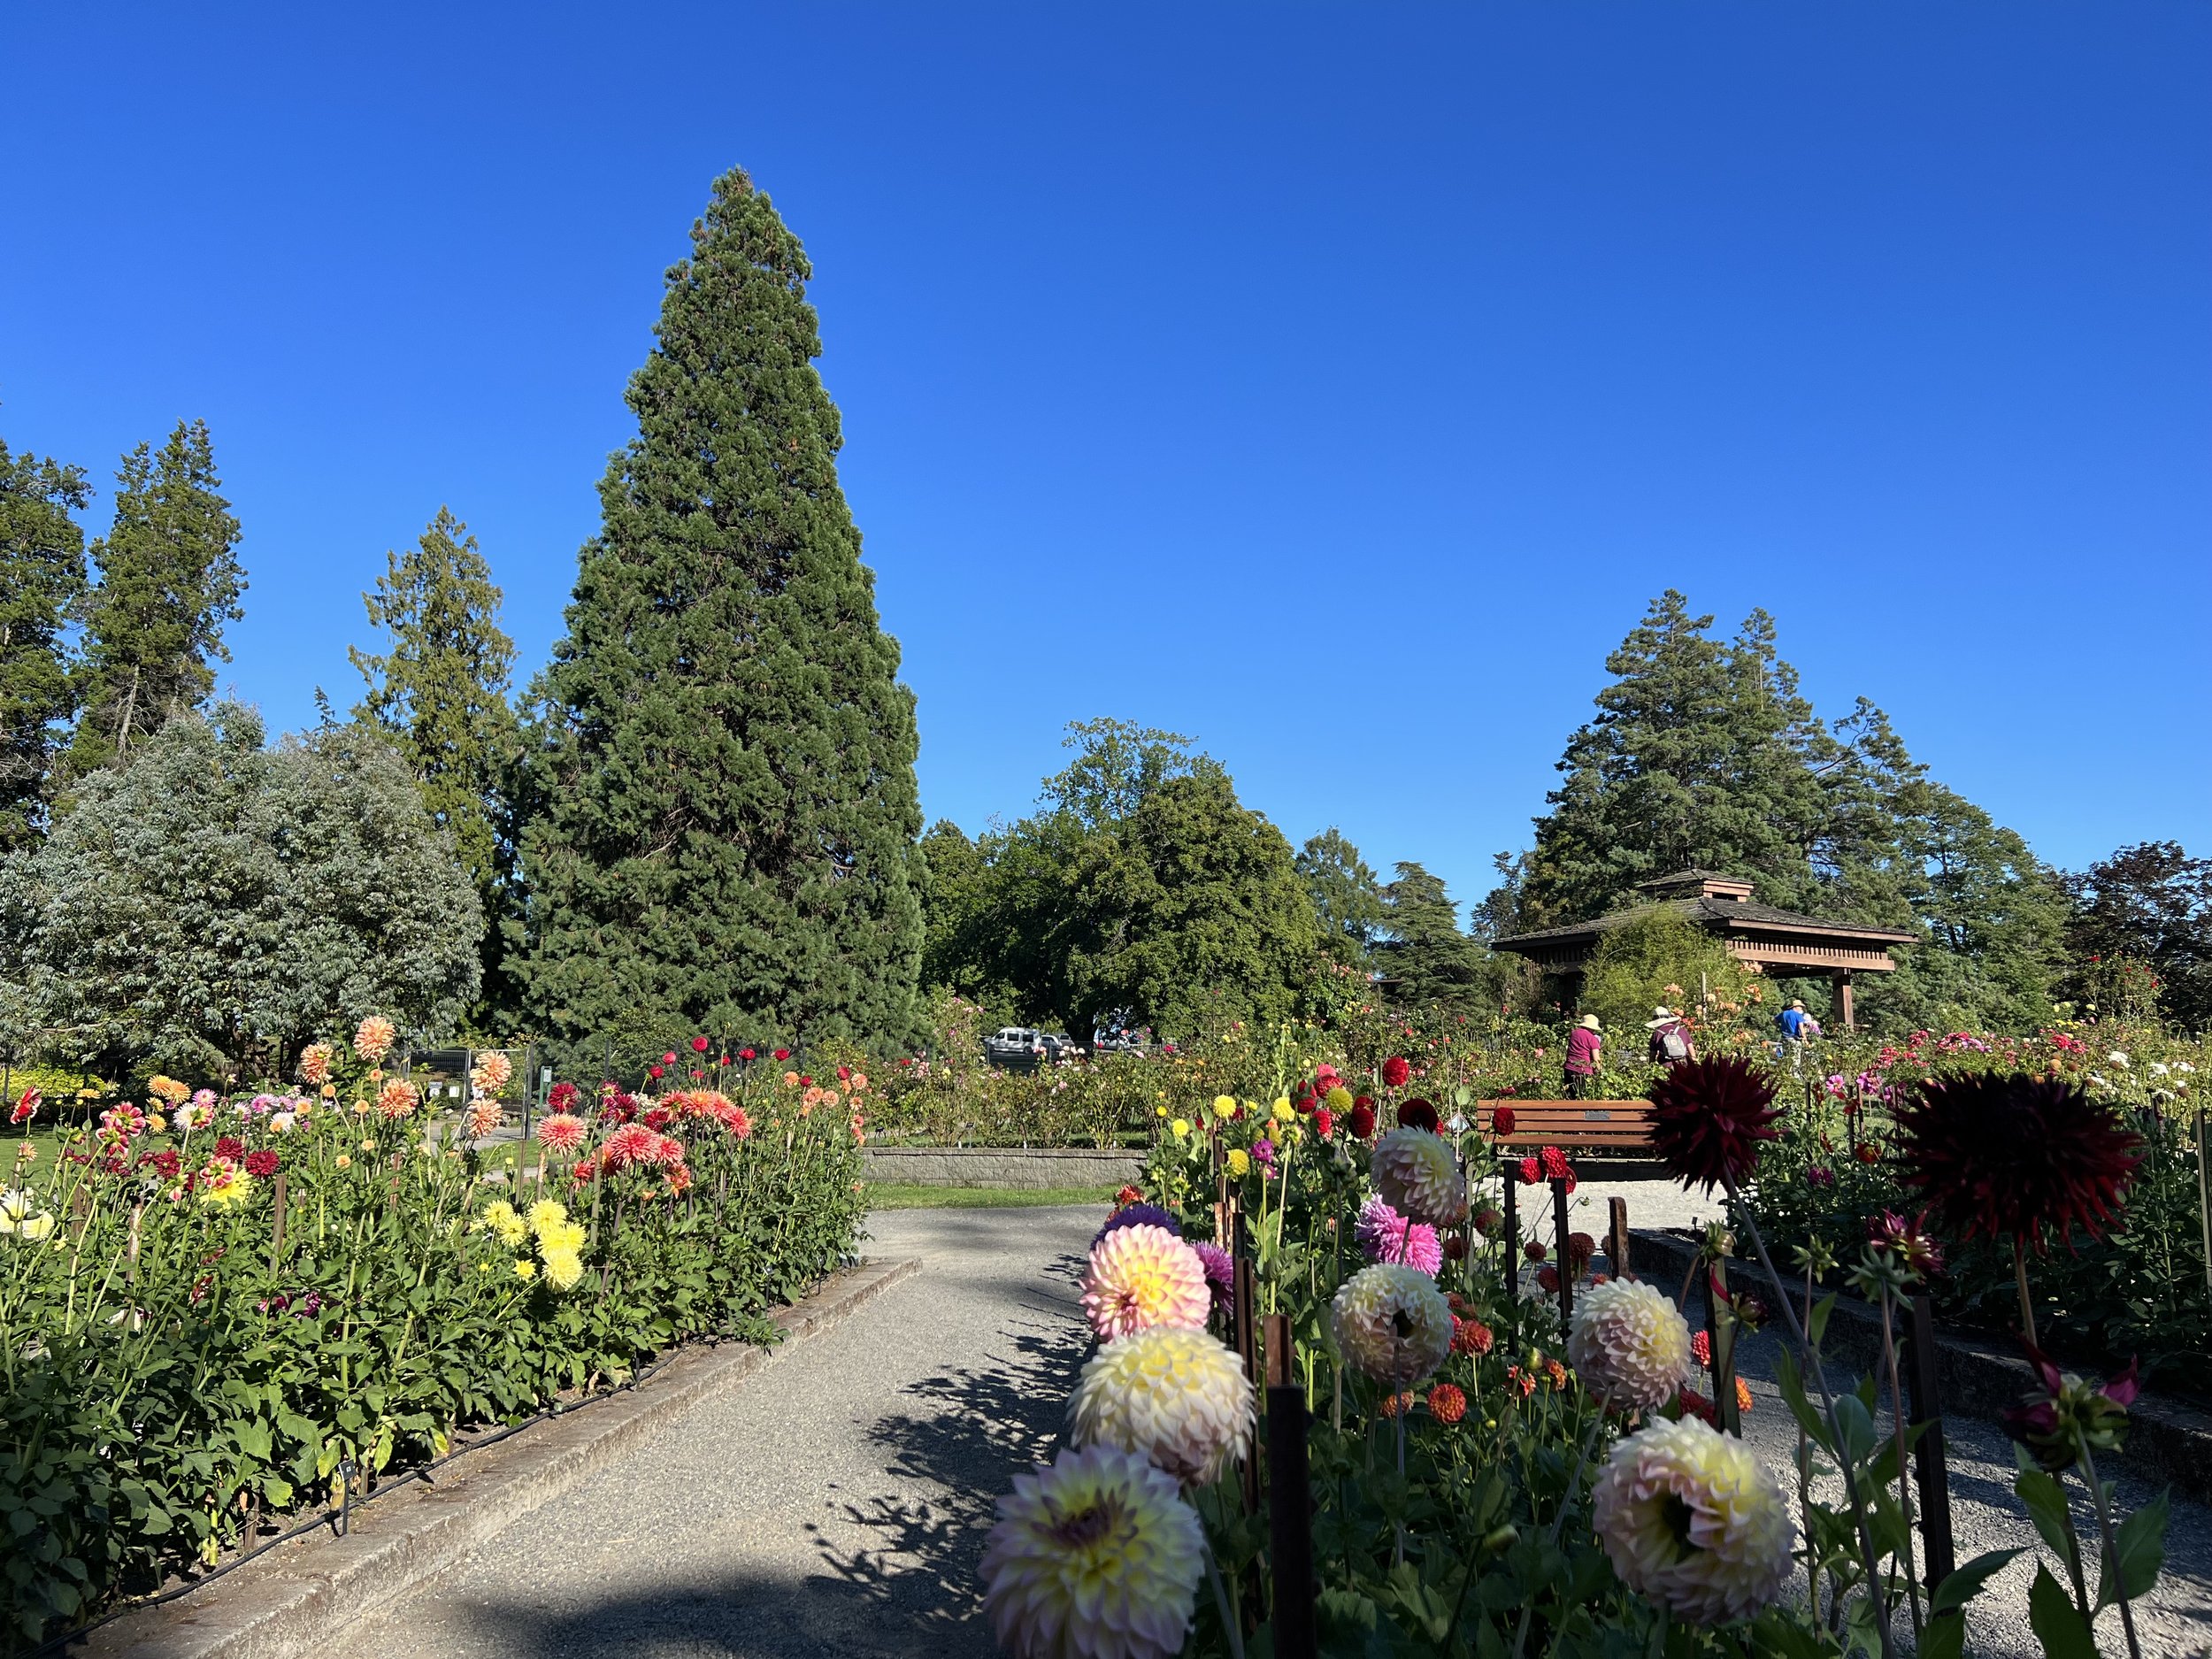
column 1394, row 1072
column 1630, row 1343
column 2064, row 1414
column 1694, row 1522
column 1359, row 1122
column 2014, row 1156
column 315, row 1062
column 1387, row 1236
column 397, row 1099
column 1448, row 1403
column 1392, row 1323
column 1221, row 1274
column 547, row 1212
column 562, row 1269
column 1708, row 1117
column 1096, row 1557
column 631, row 1143
column 562, row 1133
column 1419, row 1114
column 373, row 1039
column 492, row 1072
column 1178, row 1398
column 481, row 1120
column 1138, row 1215
column 17, row 1217
column 501, row 1217
column 1471, row 1337
column 1417, row 1176
column 225, row 1184
column 1143, row 1276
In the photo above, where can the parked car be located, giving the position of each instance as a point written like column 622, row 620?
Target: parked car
column 1059, row 1045
column 1118, row 1039
column 1017, row 1048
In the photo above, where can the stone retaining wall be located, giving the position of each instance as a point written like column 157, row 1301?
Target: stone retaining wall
column 999, row 1166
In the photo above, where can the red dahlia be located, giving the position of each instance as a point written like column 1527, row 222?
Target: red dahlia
column 1359, row 1122
column 1707, row 1117
column 1502, row 1121
column 230, row 1147
column 262, row 1164
column 1417, row 1114
column 1394, row 1071
column 2011, row 1157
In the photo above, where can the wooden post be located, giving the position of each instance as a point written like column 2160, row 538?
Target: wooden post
column 1616, row 1237
column 1512, row 1234
column 1928, row 1463
column 276, row 1236
column 1564, row 1257
column 1289, row 1498
column 2204, row 1200
column 1839, row 981
column 1246, row 1329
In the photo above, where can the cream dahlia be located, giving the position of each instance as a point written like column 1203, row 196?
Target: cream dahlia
column 1417, row 1176
column 1693, row 1522
column 372, row 1041
column 1629, row 1344
column 1141, row 1277
column 1176, row 1397
column 1096, row 1557
column 1392, row 1323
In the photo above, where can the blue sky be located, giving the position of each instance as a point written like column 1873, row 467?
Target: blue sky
column 1335, row 383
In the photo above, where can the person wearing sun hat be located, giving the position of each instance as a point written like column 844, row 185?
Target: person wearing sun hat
column 1671, row 1041
column 1583, row 1043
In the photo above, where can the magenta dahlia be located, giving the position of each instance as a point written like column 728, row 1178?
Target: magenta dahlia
column 1707, row 1117
column 2011, row 1157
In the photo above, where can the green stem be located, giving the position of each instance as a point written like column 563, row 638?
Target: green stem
column 2111, row 1550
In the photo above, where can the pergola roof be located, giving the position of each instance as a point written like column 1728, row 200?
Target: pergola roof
column 1779, row 941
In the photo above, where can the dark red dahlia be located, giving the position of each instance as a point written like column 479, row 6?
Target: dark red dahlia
column 1556, row 1165
column 1417, row 1114
column 1323, row 1120
column 262, row 1164
column 563, row 1098
column 1531, row 1172
column 1359, row 1122
column 1394, row 1071
column 1707, row 1117
column 1534, row 1250
column 2011, row 1157
column 230, row 1147
column 1502, row 1121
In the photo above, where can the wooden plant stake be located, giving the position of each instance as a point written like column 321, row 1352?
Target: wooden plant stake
column 1929, row 1471
column 1512, row 1237
column 1246, row 1334
column 2204, row 1201
column 1289, row 1498
column 1616, row 1237
column 1565, row 1258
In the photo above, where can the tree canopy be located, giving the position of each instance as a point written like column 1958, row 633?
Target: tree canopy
column 724, row 762
column 41, row 585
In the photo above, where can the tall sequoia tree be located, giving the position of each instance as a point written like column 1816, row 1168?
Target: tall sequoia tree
column 438, row 691
column 727, row 810
column 41, row 580
column 169, row 581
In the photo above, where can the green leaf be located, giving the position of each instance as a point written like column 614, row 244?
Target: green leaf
column 1856, row 1426
column 2055, row 1621
column 2141, row 1543
column 1945, row 1638
column 1793, row 1390
column 2046, row 1501
column 1965, row 1583
column 1817, row 1323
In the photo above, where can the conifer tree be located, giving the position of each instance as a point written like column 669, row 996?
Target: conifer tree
column 727, row 764
column 1345, row 892
column 438, row 691
column 169, row 581
column 41, row 580
column 1422, row 953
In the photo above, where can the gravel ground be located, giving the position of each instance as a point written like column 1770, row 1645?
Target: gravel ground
column 836, row 1501
column 832, row 1503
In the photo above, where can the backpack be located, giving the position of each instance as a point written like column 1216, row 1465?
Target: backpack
column 1673, row 1044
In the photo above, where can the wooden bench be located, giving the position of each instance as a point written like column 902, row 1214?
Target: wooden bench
column 1621, row 1127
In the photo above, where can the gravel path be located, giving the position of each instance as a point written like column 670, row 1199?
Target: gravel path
column 834, row 1503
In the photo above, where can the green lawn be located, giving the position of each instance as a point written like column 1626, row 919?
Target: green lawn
column 888, row 1195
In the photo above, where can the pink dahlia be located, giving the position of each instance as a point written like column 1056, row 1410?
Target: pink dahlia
column 563, row 1133
column 632, row 1143
column 1141, row 1277
column 1387, row 1236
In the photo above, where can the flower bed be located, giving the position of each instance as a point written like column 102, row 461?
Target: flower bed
column 211, row 1310
column 1463, row 1481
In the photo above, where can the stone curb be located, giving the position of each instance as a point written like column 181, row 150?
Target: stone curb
column 1010, row 1167
column 2168, row 1443
column 296, row 1599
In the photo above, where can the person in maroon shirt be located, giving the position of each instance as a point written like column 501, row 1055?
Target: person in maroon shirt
column 1583, row 1043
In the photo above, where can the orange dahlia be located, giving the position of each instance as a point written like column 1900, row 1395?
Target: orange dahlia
column 1447, row 1403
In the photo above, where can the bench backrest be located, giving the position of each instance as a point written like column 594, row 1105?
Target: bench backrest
column 1597, row 1125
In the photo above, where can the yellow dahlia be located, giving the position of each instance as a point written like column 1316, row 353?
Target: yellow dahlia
column 1392, row 1323
column 525, row 1269
column 1629, row 1344
column 1239, row 1163
column 500, row 1217
column 1177, row 1397
column 1096, row 1557
column 1143, row 1276
column 547, row 1212
column 562, row 1268
column 1693, row 1522
column 1417, row 1176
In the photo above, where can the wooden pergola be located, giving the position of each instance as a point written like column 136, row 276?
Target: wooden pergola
column 1780, row 943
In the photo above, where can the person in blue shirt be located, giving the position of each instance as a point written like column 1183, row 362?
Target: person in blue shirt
column 1798, row 1028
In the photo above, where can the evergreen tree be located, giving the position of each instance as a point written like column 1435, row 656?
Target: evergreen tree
column 2151, row 903
column 438, row 691
column 1423, row 954
column 1345, row 892
column 169, row 581
column 42, row 582
column 730, row 816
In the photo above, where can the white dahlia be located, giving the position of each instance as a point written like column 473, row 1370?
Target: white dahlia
column 1176, row 1396
column 1629, row 1344
column 1392, row 1323
column 1419, row 1177
column 1096, row 1557
column 1693, row 1522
